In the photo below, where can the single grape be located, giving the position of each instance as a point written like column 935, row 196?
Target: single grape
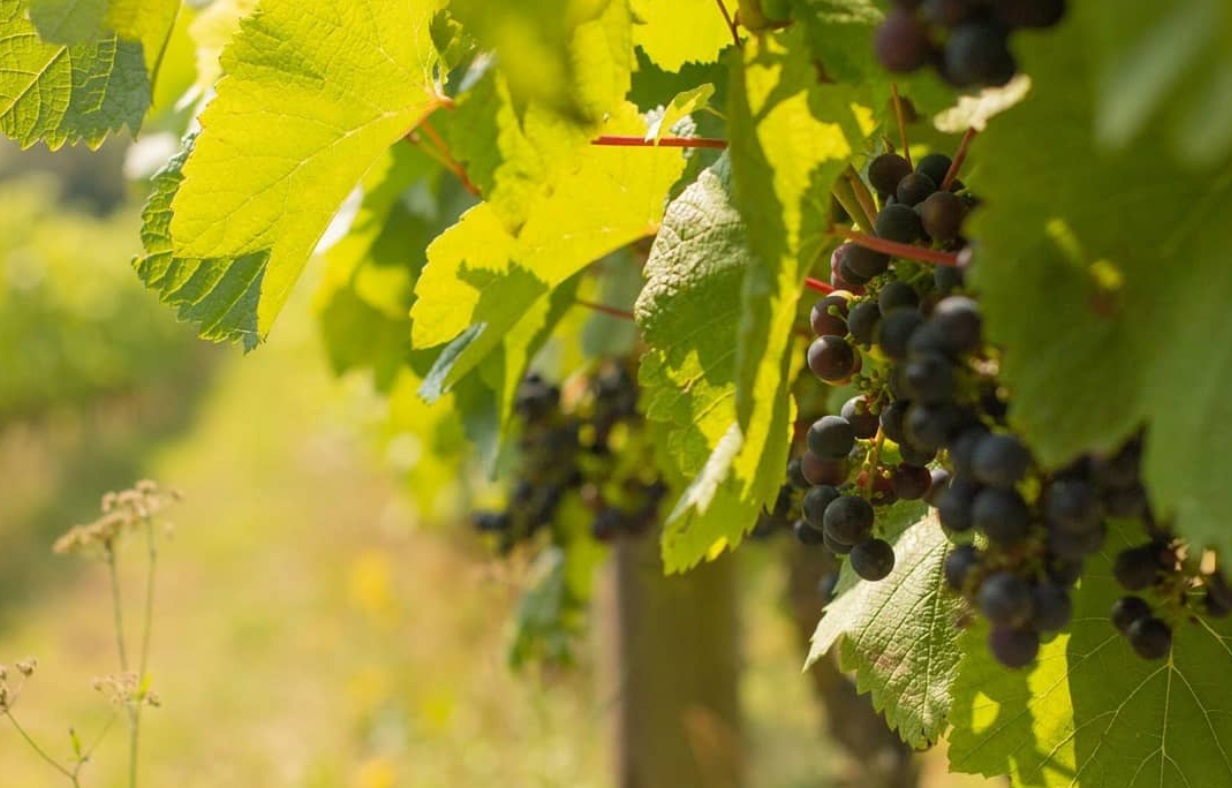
column 1077, row 544
column 962, row 448
column 1150, row 638
column 898, row 223
column 849, row 519
column 1136, row 568
column 819, row 471
column 955, row 504
column 815, row 501
column 1014, row 647
column 865, row 263
column 1072, row 505
column 1000, row 460
column 942, row 215
column 831, row 358
column 941, row 483
column 1002, row 515
column 1053, row 608
column 961, row 327
column 897, row 295
column 1065, row 572
column 895, row 331
column 935, row 166
column 930, row 379
column 807, row 534
column 831, row 437
column 849, row 274
column 1029, row 13
column 977, row 53
column 932, row 426
column 795, row 474
column 1006, row 599
column 892, row 416
column 916, row 456
column 959, row 564
column 915, row 188
column 1127, row 610
column 910, row 482
column 862, row 322
column 829, row 315
column 863, row 422
column 885, row 171
column 947, row 278
column 872, row 559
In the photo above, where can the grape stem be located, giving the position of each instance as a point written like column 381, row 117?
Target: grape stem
column 612, row 311
column 863, row 196
column 818, row 286
column 872, row 461
column 731, row 23
column 902, row 123
column 662, row 142
column 905, row 251
column 960, row 156
column 436, row 149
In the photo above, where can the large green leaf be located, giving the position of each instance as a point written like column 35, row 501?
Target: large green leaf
column 900, row 635
column 688, row 312
column 1092, row 713
column 678, row 32
column 1105, row 278
column 147, row 22
column 56, row 93
column 315, row 93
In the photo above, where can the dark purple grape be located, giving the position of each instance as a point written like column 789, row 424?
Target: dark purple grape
column 1000, row 461
column 948, row 278
column 849, row 519
column 978, row 53
column 892, row 416
column 1150, row 638
column 1077, row 544
column 831, row 437
column 813, row 506
column 607, row 525
column 1072, row 505
column 829, row 315
column 1126, row 502
column 819, row 471
column 916, row 456
column 863, row 262
column 897, row 295
column 962, row 448
column 1136, row 568
column 885, row 171
column 1014, row 647
column 959, row 564
column 949, row 13
column 898, row 223
column 932, row 426
column 1053, row 608
column 1121, row 469
column 872, row 559
column 941, row 483
column 961, row 327
column 864, row 423
column 838, row 548
column 929, row 379
column 1065, row 572
column 1127, row 610
column 895, row 332
column 795, row 475
column 942, row 215
column 831, row 358
column 935, row 166
column 862, row 322
column 914, row 189
column 910, row 482
column 1002, row 515
column 955, row 503
column 1006, row 599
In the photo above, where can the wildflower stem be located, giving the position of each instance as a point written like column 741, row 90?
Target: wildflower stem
column 52, row 762
column 116, row 608
column 147, row 625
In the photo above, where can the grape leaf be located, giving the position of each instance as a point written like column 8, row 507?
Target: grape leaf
column 1164, row 61
column 482, row 279
column 220, row 294
column 899, row 635
column 679, row 32
column 147, row 22
column 571, row 55
column 688, row 312
column 211, row 30
column 791, row 138
column 56, row 94
column 1093, row 713
column 1127, row 258
column 679, row 108
column 315, row 93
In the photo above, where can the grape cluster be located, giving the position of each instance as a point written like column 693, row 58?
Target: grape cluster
column 966, row 41
column 589, row 449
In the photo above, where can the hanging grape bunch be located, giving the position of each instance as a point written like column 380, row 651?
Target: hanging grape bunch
column 593, row 448
column 967, row 41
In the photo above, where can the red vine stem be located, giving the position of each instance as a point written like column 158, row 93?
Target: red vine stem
column 663, row 142
column 612, row 311
column 818, row 286
column 905, row 251
column 731, row 22
column 960, row 156
column 902, row 123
